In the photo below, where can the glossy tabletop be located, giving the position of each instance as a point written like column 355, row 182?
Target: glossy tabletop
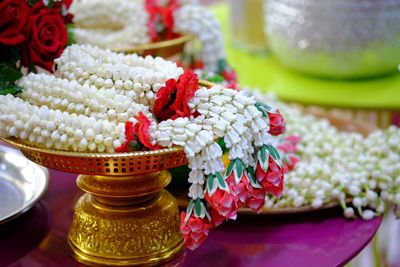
column 38, row 238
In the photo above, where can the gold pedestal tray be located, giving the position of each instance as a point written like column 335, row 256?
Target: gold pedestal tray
column 125, row 217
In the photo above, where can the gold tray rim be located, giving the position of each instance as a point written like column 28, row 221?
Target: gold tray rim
column 27, row 146
column 158, row 45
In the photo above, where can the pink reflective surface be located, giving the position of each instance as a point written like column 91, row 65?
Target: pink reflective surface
column 320, row 239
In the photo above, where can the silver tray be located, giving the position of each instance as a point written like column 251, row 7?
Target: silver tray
column 22, row 184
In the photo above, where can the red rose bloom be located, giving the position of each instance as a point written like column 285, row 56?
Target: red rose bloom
column 194, row 231
column 14, row 15
column 224, row 202
column 256, row 200
column 161, row 16
column 137, row 133
column 277, row 123
column 242, row 190
column 272, row 180
column 46, row 36
column 172, row 99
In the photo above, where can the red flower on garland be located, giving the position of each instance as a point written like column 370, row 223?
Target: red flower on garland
column 272, row 179
column 289, row 162
column 194, row 230
column 161, row 21
column 289, row 144
column 288, row 147
column 216, row 218
column 256, row 200
column 46, row 36
column 137, row 133
column 224, row 202
column 277, row 123
column 172, row 99
column 14, row 15
column 241, row 190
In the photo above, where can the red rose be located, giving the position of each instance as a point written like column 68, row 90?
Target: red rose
column 172, row 99
column 241, row 190
column 14, row 15
column 194, row 230
column 46, row 36
column 137, row 133
column 256, row 200
column 161, row 21
column 224, row 202
column 272, row 179
column 277, row 123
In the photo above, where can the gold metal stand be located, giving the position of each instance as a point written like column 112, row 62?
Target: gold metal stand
column 125, row 217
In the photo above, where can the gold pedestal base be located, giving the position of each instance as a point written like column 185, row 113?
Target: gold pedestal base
column 114, row 226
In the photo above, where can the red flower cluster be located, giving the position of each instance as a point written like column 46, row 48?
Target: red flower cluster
column 172, row 99
column 194, row 230
column 272, row 179
column 288, row 147
column 38, row 30
column 161, row 21
column 137, row 135
column 277, row 123
column 224, row 202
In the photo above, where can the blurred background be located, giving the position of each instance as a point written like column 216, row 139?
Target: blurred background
column 337, row 57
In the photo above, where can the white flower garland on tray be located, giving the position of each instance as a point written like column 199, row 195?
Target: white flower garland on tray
column 123, row 24
column 340, row 167
column 85, row 109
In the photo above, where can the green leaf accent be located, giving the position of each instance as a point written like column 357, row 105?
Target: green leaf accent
column 230, row 168
column 9, row 74
column 71, row 38
column 263, row 158
column 238, row 170
column 197, row 207
column 10, row 89
column 222, row 144
column 211, row 185
column 222, row 183
column 32, row 2
column 252, row 177
column 274, row 153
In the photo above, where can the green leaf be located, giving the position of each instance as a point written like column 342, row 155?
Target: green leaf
column 222, row 144
column 221, row 182
column 238, row 171
column 263, row 158
column 251, row 176
column 32, row 2
column 197, row 207
column 211, row 185
column 230, row 168
column 8, row 73
column 10, row 89
column 274, row 153
column 71, row 38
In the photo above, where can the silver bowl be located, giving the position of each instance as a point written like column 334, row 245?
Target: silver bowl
column 335, row 38
column 22, row 184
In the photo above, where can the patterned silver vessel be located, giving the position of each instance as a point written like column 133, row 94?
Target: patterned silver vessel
column 335, row 38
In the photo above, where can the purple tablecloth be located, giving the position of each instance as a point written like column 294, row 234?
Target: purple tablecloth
column 38, row 238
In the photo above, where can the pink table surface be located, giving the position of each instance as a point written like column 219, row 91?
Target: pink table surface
column 38, row 238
